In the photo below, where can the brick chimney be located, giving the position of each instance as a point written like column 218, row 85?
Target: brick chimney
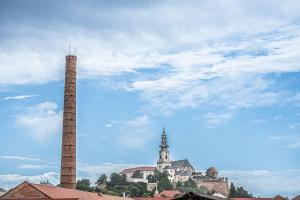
column 68, row 147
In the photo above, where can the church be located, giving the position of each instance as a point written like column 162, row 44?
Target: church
column 179, row 171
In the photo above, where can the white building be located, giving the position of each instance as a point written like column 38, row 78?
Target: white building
column 179, row 170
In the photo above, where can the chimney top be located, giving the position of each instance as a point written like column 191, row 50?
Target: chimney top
column 71, row 58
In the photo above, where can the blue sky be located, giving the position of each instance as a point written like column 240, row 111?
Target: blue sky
column 222, row 77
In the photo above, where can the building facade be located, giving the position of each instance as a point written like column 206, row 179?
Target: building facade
column 178, row 170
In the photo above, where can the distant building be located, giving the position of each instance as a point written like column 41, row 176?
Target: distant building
column 277, row 197
column 194, row 196
column 30, row 191
column 179, row 171
column 144, row 171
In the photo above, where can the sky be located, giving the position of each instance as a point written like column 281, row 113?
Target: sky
column 221, row 76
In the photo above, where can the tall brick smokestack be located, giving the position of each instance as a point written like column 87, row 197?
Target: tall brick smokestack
column 68, row 152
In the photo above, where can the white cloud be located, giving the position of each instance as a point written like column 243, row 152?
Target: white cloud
column 31, row 166
column 280, row 137
column 266, row 183
column 217, row 60
column 139, row 129
column 41, row 120
column 214, row 119
column 19, row 97
column 259, row 121
column 24, row 158
column 294, row 145
column 108, row 125
column 11, row 180
column 291, row 141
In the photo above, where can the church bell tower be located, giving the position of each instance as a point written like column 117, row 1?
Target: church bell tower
column 164, row 154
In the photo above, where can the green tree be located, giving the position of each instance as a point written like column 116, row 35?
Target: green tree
column 151, row 178
column 164, row 182
column 45, row 182
column 137, row 174
column 239, row 192
column 101, row 180
column 179, row 184
column 190, row 183
column 232, row 192
column 84, row 184
column 117, row 179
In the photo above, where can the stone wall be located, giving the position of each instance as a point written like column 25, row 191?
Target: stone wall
column 218, row 186
column 151, row 186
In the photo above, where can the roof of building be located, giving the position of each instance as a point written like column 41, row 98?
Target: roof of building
column 145, row 168
column 191, row 195
column 181, row 163
column 54, row 192
column 221, row 196
column 168, row 167
column 170, row 193
column 278, row 197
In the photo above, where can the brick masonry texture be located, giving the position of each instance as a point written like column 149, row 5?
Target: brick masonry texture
column 68, row 155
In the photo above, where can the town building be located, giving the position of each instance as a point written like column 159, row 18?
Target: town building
column 179, row 171
column 30, row 191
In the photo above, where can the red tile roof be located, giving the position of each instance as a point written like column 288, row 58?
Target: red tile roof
column 170, row 193
column 146, row 168
column 278, row 197
column 64, row 193
column 54, row 192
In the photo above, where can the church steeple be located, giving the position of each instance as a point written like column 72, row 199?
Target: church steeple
column 164, row 144
column 164, row 157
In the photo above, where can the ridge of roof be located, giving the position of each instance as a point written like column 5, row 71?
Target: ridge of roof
column 61, row 193
column 184, row 162
column 143, row 168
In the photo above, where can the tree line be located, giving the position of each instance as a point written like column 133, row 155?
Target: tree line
column 118, row 185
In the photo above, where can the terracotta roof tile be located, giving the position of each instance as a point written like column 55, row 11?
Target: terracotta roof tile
column 170, row 193
column 146, row 168
column 64, row 193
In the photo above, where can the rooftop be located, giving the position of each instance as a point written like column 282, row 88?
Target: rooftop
column 28, row 190
column 145, row 168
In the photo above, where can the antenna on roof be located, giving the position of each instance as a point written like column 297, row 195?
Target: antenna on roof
column 69, row 49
